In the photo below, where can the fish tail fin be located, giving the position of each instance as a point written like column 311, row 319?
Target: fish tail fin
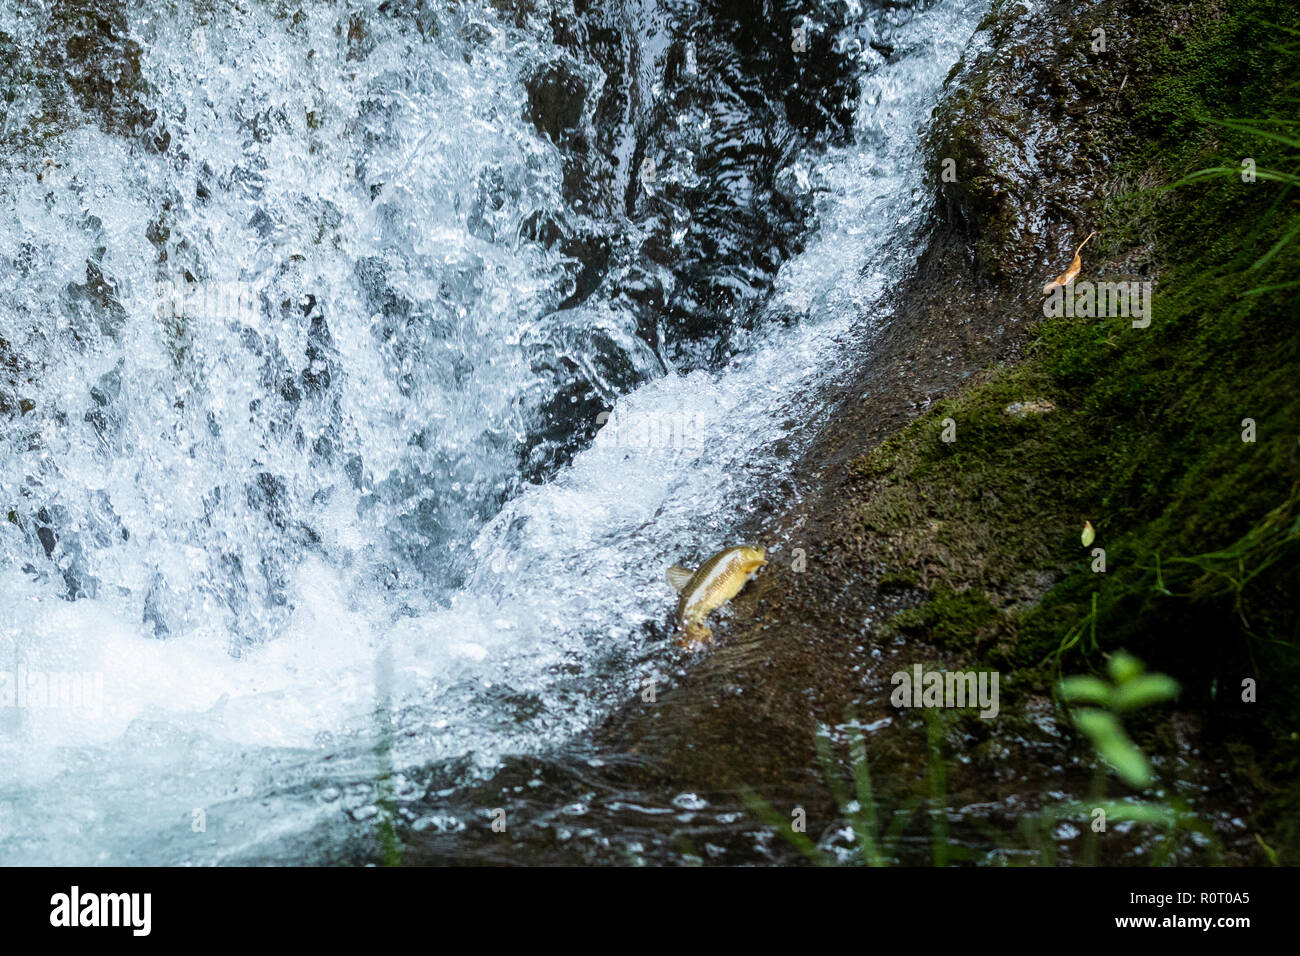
column 678, row 576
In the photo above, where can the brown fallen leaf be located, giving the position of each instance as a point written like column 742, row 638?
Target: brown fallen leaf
column 1066, row 277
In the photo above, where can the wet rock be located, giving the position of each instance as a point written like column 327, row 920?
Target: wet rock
column 1012, row 145
column 317, row 375
column 269, row 493
column 103, row 414
column 155, row 606
column 557, row 97
column 91, row 46
column 17, row 376
column 93, row 306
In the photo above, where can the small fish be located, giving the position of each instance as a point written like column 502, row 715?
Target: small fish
column 711, row 585
column 1066, row 277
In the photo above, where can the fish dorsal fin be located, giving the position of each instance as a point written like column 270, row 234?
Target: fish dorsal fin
column 678, row 576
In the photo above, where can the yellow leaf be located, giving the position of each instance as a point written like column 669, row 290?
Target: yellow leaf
column 1089, row 535
column 1076, row 265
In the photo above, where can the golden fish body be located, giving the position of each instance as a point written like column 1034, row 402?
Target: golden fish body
column 711, row 585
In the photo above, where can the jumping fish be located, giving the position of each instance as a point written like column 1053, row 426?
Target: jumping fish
column 711, row 585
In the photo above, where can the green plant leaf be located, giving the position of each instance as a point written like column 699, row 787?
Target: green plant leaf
column 1113, row 745
column 1143, row 690
column 1124, row 667
column 1085, row 690
column 1268, row 850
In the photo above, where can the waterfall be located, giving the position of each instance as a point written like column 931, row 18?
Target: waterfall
column 362, row 367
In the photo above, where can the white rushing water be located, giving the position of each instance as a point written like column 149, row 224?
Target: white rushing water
column 270, row 531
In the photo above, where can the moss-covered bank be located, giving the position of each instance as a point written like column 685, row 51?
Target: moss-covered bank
column 1177, row 441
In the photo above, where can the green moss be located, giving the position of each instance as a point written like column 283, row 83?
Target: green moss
column 957, row 618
